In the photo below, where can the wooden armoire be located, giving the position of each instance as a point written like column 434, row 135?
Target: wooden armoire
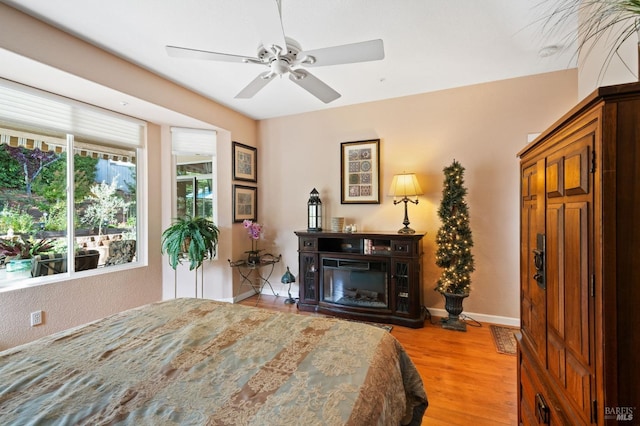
column 579, row 347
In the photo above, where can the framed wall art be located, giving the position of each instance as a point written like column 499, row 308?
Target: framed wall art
column 245, row 203
column 360, row 172
column 245, row 162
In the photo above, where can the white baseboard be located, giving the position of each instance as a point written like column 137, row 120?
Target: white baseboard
column 436, row 312
column 492, row 319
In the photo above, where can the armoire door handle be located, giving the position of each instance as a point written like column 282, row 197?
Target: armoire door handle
column 542, row 410
column 539, row 261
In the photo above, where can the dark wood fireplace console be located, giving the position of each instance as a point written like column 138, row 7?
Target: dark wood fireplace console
column 372, row 276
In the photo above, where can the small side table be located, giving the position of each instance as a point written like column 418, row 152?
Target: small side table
column 261, row 272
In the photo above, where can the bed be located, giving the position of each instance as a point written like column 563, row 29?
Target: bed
column 202, row 362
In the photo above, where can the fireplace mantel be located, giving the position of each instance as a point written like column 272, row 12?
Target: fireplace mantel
column 370, row 276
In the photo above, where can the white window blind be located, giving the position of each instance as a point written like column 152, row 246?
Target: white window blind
column 26, row 106
column 193, row 141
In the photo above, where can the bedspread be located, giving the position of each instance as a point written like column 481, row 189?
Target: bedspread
column 201, row 362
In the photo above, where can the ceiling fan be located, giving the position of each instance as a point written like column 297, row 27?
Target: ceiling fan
column 283, row 55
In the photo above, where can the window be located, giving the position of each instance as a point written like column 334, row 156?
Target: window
column 194, row 187
column 48, row 226
column 194, row 152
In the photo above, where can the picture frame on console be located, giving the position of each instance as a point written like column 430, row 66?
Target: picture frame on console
column 245, row 203
column 360, row 172
column 245, row 162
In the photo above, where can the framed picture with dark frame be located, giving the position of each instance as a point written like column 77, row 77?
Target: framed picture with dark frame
column 245, row 203
column 360, row 172
column 245, row 162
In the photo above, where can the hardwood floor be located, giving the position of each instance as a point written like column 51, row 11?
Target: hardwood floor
column 467, row 381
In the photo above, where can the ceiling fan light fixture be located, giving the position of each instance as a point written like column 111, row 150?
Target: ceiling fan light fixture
column 298, row 74
column 280, row 66
column 276, row 50
column 308, row 60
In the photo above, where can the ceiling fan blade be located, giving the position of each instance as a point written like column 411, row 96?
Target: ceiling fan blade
column 372, row 50
column 268, row 22
column 313, row 85
column 255, row 86
column 184, row 52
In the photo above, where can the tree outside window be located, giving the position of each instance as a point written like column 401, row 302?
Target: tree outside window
column 34, row 197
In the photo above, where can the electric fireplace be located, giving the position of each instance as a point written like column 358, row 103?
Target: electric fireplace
column 353, row 282
column 370, row 276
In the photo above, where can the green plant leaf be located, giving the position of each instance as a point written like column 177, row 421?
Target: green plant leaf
column 195, row 237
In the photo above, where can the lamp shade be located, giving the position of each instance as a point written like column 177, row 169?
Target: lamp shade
column 288, row 277
column 405, row 185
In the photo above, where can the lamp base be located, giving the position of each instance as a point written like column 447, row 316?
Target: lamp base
column 290, row 300
column 406, row 230
column 405, row 222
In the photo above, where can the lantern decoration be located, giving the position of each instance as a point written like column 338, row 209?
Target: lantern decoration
column 314, row 212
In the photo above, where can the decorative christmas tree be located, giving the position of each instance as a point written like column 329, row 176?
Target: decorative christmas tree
column 454, row 236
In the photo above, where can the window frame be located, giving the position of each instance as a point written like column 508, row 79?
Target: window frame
column 127, row 130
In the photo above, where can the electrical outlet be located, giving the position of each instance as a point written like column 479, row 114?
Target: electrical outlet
column 36, row 318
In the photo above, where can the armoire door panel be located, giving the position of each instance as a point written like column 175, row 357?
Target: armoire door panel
column 576, row 169
column 578, row 385
column 529, row 182
column 555, row 178
column 525, row 247
column 533, row 310
column 525, row 190
column 556, row 357
column 536, row 331
column 576, row 278
column 555, row 269
column 533, row 307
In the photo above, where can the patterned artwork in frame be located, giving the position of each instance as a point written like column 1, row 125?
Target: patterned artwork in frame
column 245, row 162
column 360, row 172
column 245, row 203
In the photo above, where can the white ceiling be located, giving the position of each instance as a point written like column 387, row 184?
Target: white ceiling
column 429, row 45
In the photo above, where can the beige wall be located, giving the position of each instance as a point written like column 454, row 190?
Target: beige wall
column 69, row 303
column 481, row 126
column 600, row 64
column 73, row 302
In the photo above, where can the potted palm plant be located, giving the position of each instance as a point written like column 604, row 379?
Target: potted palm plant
column 454, row 243
column 190, row 238
column 610, row 22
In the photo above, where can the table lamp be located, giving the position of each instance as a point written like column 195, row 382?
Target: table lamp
column 403, row 186
column 288, row 278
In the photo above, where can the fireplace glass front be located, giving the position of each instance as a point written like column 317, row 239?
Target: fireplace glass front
column 355, row 283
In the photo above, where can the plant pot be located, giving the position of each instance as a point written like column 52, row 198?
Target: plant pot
column 19, row 265
column 19, row 268
column 453, row 306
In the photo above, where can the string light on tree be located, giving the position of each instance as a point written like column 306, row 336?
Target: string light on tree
column 454, row 238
